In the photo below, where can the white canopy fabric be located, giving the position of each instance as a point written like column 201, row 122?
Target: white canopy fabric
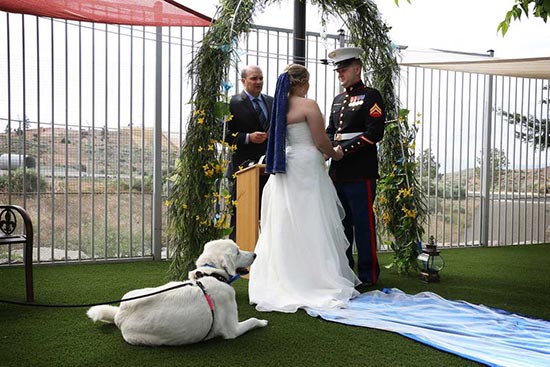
column 538, row 68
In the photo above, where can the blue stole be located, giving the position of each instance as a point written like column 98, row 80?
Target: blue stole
column 276, row 142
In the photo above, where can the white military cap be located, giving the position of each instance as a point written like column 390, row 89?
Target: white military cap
column 342, row 57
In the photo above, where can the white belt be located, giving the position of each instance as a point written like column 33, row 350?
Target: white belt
column 346, row 136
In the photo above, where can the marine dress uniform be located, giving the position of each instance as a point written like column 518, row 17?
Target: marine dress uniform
column 357, row 123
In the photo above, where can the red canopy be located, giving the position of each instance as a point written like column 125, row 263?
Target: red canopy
column 130, row 12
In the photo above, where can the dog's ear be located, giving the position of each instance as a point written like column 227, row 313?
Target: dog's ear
column 228, row 263
column 192, row 275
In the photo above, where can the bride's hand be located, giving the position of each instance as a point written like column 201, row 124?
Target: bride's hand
column 338, row 153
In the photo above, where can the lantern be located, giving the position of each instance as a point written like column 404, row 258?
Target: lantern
column 430, row 262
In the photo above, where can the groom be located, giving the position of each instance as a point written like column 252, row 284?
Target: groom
column 356, row 123
column 248, row 128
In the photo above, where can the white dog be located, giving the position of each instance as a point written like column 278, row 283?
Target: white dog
column 199, row 309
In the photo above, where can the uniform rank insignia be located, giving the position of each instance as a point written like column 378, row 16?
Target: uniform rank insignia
column 375, row 110
column 355, row 101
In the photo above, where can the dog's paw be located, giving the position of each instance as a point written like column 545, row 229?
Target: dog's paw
column 262, row 323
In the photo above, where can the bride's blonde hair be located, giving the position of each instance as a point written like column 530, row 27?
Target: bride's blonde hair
column 297, row 76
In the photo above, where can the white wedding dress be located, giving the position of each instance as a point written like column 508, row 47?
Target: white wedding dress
column 301, row 251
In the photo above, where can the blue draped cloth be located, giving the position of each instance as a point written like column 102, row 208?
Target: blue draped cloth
column 275, row 158
column 476, row 332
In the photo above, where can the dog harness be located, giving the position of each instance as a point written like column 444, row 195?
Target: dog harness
column 210, row 305
column 219, row 277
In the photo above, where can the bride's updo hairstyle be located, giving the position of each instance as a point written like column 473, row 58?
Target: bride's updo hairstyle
column 293, row 77
column 297, row 76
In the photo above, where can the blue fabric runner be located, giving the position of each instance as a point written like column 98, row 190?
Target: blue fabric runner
column 275, row 158
column 476, row 332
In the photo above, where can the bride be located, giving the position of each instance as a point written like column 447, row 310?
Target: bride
column 301, row 251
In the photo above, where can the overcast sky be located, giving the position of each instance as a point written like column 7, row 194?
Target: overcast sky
column 458, row 25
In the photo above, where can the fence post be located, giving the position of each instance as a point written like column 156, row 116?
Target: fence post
column 486, row 160
column 157, row 151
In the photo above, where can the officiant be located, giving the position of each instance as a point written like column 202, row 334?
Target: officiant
column 247, row 130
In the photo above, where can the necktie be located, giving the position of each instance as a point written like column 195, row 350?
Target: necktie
column 261, row 116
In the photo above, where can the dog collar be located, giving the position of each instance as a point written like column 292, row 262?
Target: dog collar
column 218, row 276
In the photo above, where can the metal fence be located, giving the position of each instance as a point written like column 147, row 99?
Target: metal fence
column 486, row 178
column 92, row 118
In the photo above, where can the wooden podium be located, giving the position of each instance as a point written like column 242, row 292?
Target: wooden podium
column 250, row 182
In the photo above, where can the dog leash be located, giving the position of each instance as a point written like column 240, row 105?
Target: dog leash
column 93, row 304
column 119, row 300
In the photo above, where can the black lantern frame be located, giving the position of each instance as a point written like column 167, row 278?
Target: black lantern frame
column 430, row 262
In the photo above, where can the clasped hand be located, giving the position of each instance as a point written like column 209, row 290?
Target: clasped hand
column 257, row 137
column 338, row 151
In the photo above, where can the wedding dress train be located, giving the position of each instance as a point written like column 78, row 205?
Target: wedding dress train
column 301, row 260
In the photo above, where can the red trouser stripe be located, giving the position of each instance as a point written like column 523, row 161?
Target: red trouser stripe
column 372, row 231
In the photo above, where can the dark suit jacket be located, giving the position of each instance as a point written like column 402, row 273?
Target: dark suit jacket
column 245, row 121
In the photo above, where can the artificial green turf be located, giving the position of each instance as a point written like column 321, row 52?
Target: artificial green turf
column 514, row 278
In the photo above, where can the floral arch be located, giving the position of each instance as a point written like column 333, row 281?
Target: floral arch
column 199, row 204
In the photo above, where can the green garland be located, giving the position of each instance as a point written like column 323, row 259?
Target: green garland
column 199, row 203
column 401, row 202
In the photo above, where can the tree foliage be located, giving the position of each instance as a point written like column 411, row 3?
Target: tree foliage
column 498, row 163
column 428, row 164
column 537, row 8
column 530, row 129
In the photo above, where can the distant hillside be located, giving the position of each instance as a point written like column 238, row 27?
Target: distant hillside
column 129, row 149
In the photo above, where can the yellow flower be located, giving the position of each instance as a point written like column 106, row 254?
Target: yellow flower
column 197, row 217
column 184, row 206
column 413, row 145
column 383, row 200
column 200, row 149
column 200, row 120
column 386, row 218
column 234, row 203
column 222, row 222
column 167, row 203
column 228, row 118
column 409, row 212
column 233, row 148
column 405, row 193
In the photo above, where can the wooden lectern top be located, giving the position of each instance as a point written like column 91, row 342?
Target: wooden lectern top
column 252, row 167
